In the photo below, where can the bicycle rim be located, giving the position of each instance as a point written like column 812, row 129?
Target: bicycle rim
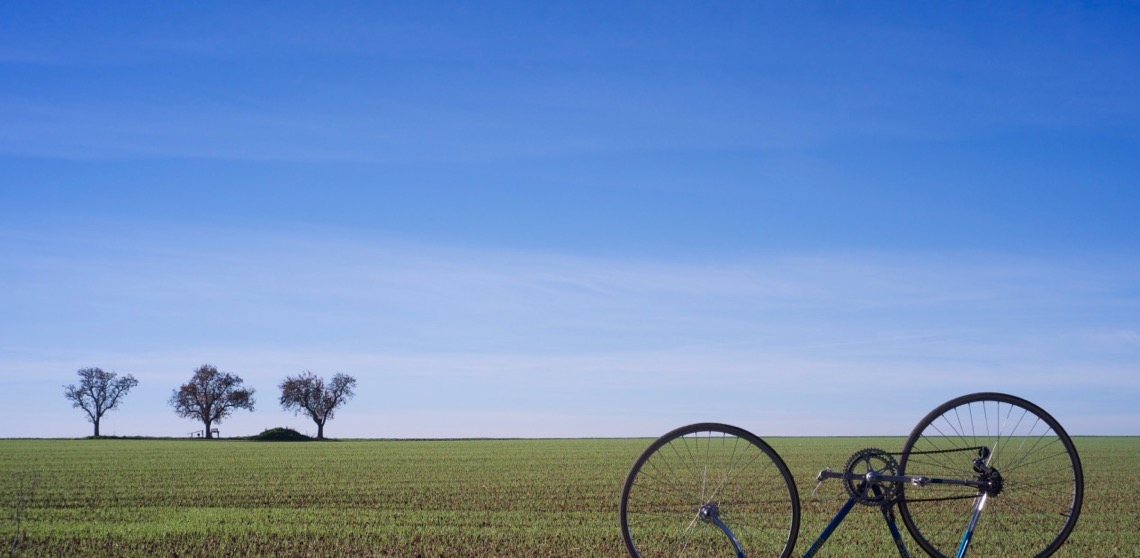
column 693, row 466
column 1034, row 499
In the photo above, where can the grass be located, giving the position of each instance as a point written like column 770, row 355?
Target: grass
column 542, row 498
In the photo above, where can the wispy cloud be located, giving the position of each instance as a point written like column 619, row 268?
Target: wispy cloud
column 428, row 327
column 327, row 278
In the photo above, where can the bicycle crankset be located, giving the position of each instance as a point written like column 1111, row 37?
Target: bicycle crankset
column 862, row 477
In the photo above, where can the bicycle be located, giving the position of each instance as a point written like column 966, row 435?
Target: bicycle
column 988, row 472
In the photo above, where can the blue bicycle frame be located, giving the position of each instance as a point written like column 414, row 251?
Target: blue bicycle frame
column 710, row 514
column 888, row 516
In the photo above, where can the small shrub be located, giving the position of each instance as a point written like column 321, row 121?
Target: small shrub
column 280, row 434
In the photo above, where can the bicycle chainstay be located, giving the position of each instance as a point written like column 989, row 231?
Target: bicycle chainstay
column 929, row 452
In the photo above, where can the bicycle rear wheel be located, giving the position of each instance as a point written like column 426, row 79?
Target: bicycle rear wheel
column 1035, row 485
column 709, row 466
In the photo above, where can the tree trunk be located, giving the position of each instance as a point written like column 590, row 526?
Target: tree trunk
column 96, row 421
column 320, row 431
column 208, row 433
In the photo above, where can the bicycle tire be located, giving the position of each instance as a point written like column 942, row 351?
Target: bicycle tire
column 1033, row 501
column 694, row 465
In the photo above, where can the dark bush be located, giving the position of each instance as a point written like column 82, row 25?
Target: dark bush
column 281, row 435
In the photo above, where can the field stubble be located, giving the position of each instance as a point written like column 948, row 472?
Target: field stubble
column 539, row 498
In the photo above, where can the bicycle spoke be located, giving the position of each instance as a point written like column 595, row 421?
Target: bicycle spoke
column 1031, row 475
column 724, row 468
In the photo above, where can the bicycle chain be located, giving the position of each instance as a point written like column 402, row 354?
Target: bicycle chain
column 928, row 452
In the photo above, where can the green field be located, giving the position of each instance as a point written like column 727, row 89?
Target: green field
column 535, row 498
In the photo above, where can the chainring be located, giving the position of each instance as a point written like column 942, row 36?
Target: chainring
column 871, row 492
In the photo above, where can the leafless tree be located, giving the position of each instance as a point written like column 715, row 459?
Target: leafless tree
column 211, row 396
column 98, row 392
column 307, row 392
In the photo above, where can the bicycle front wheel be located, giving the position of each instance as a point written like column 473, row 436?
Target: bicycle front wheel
column 681, row 476
column 1027, row 466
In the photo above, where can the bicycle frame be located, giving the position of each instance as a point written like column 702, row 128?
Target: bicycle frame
column 710, row 514
column 888, row 515
column 938, row 487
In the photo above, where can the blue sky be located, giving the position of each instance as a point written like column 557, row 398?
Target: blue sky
column 572, row 219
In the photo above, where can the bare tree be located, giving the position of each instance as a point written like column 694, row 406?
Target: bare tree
column 308, row 392
column 98, row 392
column 211, row 396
